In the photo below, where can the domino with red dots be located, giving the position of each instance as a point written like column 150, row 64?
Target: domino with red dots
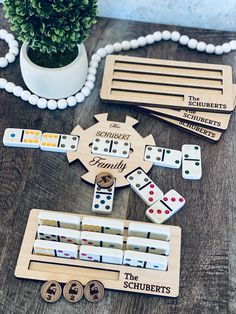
column 102, row 239
column 58, row 234
column 102, row 255
column 147, row 190
column 61, row 143
column 166, row 207
column 57, row 249
column 22, row 138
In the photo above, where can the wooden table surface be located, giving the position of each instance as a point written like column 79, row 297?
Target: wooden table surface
column 31, row 178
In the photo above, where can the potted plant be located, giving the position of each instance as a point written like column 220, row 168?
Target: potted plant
column 53, row 58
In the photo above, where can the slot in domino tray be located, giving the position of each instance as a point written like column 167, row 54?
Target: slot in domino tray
column 39, row 267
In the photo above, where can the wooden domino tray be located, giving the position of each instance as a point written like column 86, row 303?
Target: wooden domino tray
column 116, row 277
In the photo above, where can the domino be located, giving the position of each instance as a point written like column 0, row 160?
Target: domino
column 57, row 249
column 102, row 255
column 115, row 148
column 22, row 138
column 59, row 220
column 61, row 143
column 148, row 246
column 192, row 164
column 166, row 207
column 103, row 225
column 58, row 234
column 103, row 199
column 151, row 231
column 144, row 186
column 102, row 239
column 145, row 260
column 163, row 157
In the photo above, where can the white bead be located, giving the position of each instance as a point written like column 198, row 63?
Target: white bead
column 13, row 43
column 125, row 45
column 10, row 57
column 52, row 104
column 3, row 62
column 89, row 84
column 3, row 34
column 17, row 91
column 93, row 63
column 86, row 91
column 233, row 44
column 14, row 50
column 150, row 39
column 9, row 87
column 184, row 40
column 33, row 99
column 134, row 44
column 96, row 57
column 25, row 95
column 142, row 41
column 226, row 48
column 166, row 35
column 158, row 36
column 3, row 83
column 117, row 47
column 175, row 36
column 91, row 77
column 201, row 46
column 102, row 52
column 218, row 50
column 192, row 44
column 92, row 70
column 210, row 48
column 9, row 37
column 109, row 49
column 71, row 101
column 62, row 104
column 42, row 103
column 80, row 97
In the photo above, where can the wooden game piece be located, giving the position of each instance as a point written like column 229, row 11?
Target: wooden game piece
column 163, row 157
column 148, row 245
column 192, row 163
column 51, row 291
column 61, row 143
column 73, row 291
column 59, row 220
column 22, row 138
column 104, row 225
column 103, row 199
column 139, row 229
column 57, row 249
column 94, row 291
column 102, row 239
column 100, row 254
column 115, row 148
column 104, row 180
column 58, row 234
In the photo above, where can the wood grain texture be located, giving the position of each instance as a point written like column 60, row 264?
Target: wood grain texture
column 37, row 179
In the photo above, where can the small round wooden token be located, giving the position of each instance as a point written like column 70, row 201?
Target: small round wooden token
column 73, row 291
column 51, row 291
column 94, row 291
column 104, row 180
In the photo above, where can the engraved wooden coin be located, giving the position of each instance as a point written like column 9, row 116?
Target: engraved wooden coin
column 94, row 291
column 73, row 291
column 51, row 291
column 104, row 180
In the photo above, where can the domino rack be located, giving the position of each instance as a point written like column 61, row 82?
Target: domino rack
column 147, row 281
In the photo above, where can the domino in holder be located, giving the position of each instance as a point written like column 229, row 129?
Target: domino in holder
column 164, row 157
column 53, row 219
column 103, row 225
column 22, row 138
column 100, row 254
column 59, row 234
column 113, row 276
column 55, row 249
column 148, row 245
column 192, row 163
column 102, row 239
column 143, row 230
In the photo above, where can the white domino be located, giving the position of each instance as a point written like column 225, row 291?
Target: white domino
column 99, row 254
column 148, row 245
column 58, row 234
column 57, row 249
column 102, row 239
column 137, row 229
column 59, row 220
column 145, row 260
column 22, row 138
column 166, row 207
column 115, row 148
column 163, row 157
column 103, row 199
column 191, row 163
column 147, row 190
column 61, row 143
column 103, row 225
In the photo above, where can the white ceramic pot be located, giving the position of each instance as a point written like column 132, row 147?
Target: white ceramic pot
column 54, row 83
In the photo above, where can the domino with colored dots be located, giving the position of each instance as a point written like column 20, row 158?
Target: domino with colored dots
column 57, row 249
column 102, row 239
column 147, row 190
column 115, row 148
column 103, row 225
column 191, row 164
column 59, row 220
column 163, row 157
column 58, row 234
column 137, row 229
column 145, row 260
column 148, row 245
column 22, row 138
column 166, row 207
column 102, row 255
column 61, row 143
column 103, row 199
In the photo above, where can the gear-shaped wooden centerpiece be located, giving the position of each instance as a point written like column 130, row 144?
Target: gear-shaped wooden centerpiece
column 111, row 130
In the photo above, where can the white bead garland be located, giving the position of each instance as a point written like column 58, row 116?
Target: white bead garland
column 96, row 58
